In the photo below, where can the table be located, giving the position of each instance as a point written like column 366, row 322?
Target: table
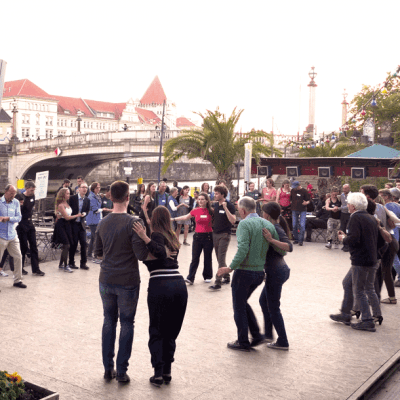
column 43, row 238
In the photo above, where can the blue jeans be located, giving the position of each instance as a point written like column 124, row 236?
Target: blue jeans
column 123, row 300
column 299, row 223
column 270, row 303
column 363, row 286
column 244, row 283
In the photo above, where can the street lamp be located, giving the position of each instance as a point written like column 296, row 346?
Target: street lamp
column 79, row 120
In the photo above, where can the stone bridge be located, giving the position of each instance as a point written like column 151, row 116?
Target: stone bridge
column 80, row 154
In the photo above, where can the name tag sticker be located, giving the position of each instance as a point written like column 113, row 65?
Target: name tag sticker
column 163, row 201
column 32, row 200
column 298, row 194
column 222, row 211
column 203, row 216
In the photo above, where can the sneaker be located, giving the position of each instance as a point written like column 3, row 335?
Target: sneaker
column 188, row 281
column 256, row 342
column 20, row 285
column 295, row 242
column 336, row 246
column 68, row 269
column 124, row 378
column 61, row 266
column 341, row 317
column 24, row 272
column 276, row 346
column 186, row 243
column 156, row 381
column 108, row 375
column 300, row 243
column 237, row 346
column 328, row 245
column 207, row 280
column 364, row 326
column 226, row 281
column 73, row 266
column 397, row 283
column 39, row 273
column 2, row 273
column 215, row 287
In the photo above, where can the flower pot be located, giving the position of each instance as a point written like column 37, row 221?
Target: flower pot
column 45, row 393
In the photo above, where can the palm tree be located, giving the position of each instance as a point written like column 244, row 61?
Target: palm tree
column 217, row 142
column 341, row 148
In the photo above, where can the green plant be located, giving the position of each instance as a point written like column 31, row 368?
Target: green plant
column 355, row 184
column 11, row 386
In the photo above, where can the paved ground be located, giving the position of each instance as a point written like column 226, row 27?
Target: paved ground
column 51, row 335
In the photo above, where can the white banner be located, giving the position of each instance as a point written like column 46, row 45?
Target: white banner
column 42, row 182
column 369, row 129
column 247, row 161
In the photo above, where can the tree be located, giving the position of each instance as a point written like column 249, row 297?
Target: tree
column 217, row 142
column 341, row 148
column 386, row 113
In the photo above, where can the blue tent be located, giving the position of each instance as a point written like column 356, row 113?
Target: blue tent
column 376, row 151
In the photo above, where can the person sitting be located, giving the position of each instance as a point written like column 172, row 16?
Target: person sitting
column 321, row 220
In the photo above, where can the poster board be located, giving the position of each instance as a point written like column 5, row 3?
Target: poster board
column 41, row 182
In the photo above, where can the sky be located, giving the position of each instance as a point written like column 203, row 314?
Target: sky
column 252, row 55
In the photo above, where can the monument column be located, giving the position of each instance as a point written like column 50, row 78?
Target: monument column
column 344, row 108
column 311, row 113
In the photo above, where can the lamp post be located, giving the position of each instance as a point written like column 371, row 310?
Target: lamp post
column 14, row 112
column 79, row 120
column 161, row 139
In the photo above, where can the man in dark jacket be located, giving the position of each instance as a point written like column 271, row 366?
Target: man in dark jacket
column 299, row 199
column 362, row 239
column 79, row 204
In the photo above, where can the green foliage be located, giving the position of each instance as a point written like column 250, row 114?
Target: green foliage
column 10, row 387
column 341, row 148
column 386, row 114
column 355, row 184
column 217, row 142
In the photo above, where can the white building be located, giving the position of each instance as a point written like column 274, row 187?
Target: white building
column 41, row 115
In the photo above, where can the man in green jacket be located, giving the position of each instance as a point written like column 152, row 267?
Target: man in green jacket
column 248, row 264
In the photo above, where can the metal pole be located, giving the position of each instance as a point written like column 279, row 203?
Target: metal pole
column 161, row 138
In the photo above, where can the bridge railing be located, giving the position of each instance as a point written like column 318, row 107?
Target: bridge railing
column 97, row 137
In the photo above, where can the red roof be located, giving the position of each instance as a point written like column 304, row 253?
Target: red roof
column 154, row 93
column 147, row 116
column 24, row 87
column 72, row 105
column 182, row 121
column 102, row 106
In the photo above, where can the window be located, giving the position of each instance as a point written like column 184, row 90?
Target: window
column 25, row 132
column 37, row 119
column 25, row 118
column 37, row 132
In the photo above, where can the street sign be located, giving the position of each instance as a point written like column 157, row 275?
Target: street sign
column 41, row 182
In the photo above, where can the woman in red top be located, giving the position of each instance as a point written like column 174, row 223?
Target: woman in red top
column 202, row 239
column 283, row 199
column 269, row 192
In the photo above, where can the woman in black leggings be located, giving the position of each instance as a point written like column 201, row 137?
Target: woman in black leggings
column 167, row 294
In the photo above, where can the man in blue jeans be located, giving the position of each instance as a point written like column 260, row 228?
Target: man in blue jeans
column 248, row 264
column 299, row 199
column 120, row 248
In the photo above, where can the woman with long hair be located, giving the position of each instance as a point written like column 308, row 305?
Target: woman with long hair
column 167, row 293
column 187, row 202
column 202, row 239
column 62, row 230
column 283, row 199
column 138, row 198
column 148, row 205
column 277, row 273
column 94, row 217
column 269, row 192
column 205, row 188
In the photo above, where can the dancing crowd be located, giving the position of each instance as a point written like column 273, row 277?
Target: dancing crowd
column 146, row 226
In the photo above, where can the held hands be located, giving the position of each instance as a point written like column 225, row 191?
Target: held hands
column 267, row 234
column 223, row 271
column 140, row 230
column 305, row 202
column 341, row 235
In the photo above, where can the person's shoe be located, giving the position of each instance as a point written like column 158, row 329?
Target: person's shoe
column 68, row 269
column 276, row 346
column 396, row 283
column 2, row 273
column 207, row 280
column 364, row 326
column 109, row 375
column 345, row 249
column 24, row 272
column 156, row 381
column 20, row 285
column 84, row 267
column 61, row 266
column 336, row 246
column 389, row 300
column 378, row 319
column 300, row 243
column 295, row 242
column 215, row 287
column 328, row 245
column 226, row 281
column 257, row 342
column 237, row 346
column 355, row 313
column 73, row 266
column 167, row 379
column 186, row 243
column 308, row 240
column 188, row 281
column 39, row 273
column 123, row 378
column 345, row 319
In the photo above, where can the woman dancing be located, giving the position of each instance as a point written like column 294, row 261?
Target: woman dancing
column 167, row 293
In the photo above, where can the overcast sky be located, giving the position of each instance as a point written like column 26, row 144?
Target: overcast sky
column 253, row 55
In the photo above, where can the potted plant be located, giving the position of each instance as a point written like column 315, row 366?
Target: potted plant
column 12, row 387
